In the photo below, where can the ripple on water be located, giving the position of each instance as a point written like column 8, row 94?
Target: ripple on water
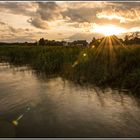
column 58, row 107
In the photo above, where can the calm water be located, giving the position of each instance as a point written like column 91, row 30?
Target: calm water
column 33, row 107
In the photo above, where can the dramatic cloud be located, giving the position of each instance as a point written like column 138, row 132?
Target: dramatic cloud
column 48, row 11
column 37, row 22
column 75, row 20
column 19, row 8
column 12, row 34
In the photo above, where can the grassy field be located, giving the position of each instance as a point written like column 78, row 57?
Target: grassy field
column 118, row 68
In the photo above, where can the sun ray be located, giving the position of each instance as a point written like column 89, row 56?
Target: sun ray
column 100, row 47
column 107, row 52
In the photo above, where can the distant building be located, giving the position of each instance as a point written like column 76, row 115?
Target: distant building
column 64, row 43
column 79, row 43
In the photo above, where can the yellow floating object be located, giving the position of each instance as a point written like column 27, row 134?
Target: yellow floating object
column 84, row 54
column 75, row 63
column 15, row 122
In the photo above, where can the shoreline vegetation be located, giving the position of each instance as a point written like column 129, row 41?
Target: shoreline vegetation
column 109, row 65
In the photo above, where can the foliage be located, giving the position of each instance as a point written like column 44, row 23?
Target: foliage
column 80, row 64
column 41, row 42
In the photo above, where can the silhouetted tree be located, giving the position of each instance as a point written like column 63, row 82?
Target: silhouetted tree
column 126, row 39
column 134, row 38
column 95, row 42
column 41, row 42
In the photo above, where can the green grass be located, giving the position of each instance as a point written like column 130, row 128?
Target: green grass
column 81, row 64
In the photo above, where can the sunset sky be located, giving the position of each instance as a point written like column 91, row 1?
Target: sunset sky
column 29, row 21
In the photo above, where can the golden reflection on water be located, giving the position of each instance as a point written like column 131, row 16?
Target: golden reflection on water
column 57, row 103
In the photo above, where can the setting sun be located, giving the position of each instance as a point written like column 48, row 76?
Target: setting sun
column 108, row 30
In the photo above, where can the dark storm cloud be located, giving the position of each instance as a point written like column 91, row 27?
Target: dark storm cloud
column 18, row 8
column 48, row 10
column 39, row 12
column 38, row 23
column 77, row 15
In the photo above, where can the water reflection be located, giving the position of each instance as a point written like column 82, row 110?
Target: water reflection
column 59, row 108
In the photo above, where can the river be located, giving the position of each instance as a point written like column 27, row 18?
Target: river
column 31, row 106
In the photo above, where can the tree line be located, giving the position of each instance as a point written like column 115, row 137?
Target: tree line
column 133, row 38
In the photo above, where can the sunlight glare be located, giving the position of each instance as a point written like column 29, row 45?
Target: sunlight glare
column 84, row 54
column 108, row 30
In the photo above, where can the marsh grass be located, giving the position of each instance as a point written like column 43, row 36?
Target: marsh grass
column 81, row 64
